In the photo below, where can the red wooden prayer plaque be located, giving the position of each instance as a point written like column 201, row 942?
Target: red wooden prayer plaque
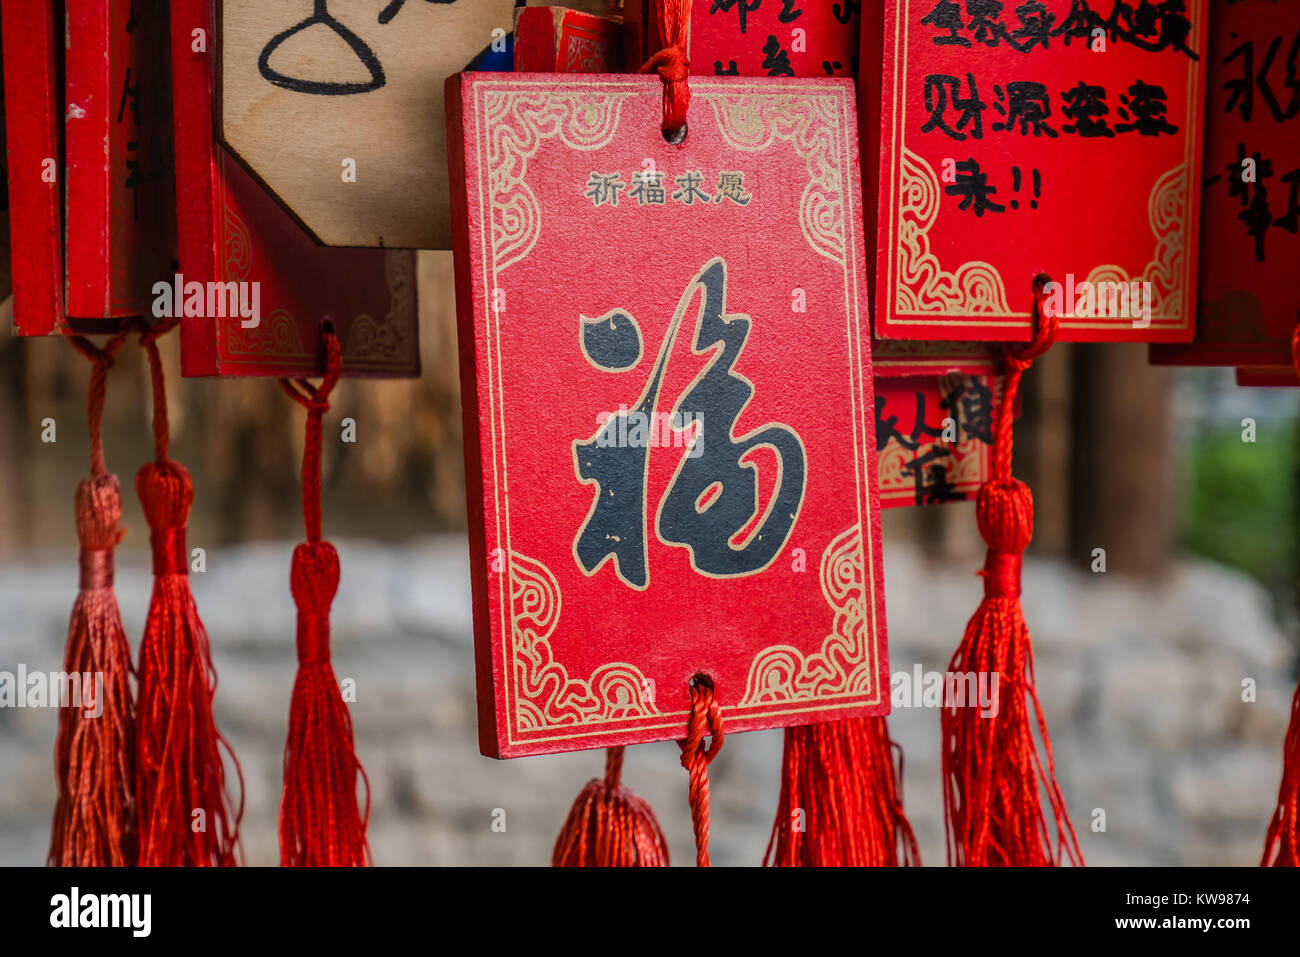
column 1250, row 220
column 560, row 40
column 761, row 37
column 666, row 383
column 1004, row 141
column 934, row 437
column 120, row 190
column 34, row 138
column 232, row 232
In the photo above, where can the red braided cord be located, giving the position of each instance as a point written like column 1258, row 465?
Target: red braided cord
column 315, row 399
column 706, row 719
column 101, row 360
column 672, row 65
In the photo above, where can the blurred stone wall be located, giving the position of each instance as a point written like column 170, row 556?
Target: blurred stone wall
column 1141, row 685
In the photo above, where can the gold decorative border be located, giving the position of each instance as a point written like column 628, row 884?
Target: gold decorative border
column 923, row 289
column 370, row 343
column 510, row 125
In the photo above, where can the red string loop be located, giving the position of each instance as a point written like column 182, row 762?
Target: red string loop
column 673, row 66
column 705, row 720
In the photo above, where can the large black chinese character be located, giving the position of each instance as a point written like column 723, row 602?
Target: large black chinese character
column 1085, row 105
column 1146, row 104
column 939, row 90
column 743, row 7
column 711, row 506
column 1028, row 107
column 974, row 189
column 946, row 15
column 931, row 480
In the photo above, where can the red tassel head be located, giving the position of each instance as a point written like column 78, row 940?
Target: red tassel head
column 609, row 826
column 1005, row 514
column 99, row 513
column 314, row 576
column 166, row 493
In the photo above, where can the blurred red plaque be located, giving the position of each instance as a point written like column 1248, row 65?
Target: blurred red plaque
column 666, row 383
column 1250, row 221
column 934, row 437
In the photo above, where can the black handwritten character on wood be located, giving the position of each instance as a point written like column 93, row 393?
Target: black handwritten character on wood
column 946, row 15
column 1085, row 106
column 942, row 90
column 1028, row 107
column 1145, row 105
column 776, row 61
column 321, row 16
column 930, row 479
column 1035, row 28
column 974, row 189
column 970, row 403
column 743, row 9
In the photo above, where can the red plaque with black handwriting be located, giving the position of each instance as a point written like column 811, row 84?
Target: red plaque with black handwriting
column 666, row 380
column 1008, row 140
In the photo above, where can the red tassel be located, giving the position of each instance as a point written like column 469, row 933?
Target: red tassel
column 94, row 815
column 841, row 799
column 992, row 769
column 609, row 826
column 1282, row 846
column 186, row 818
column 321, row 823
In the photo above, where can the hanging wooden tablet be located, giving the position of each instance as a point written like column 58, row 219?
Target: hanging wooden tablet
column 336, row 107
column 120, row 188
column 688, row 507
column 933, row 437
column 252, row 286
column 1250, row 220
column 1060, row 136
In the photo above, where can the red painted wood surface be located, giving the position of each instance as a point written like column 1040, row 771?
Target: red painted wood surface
column 591, row 614
column 34, row 135
column 120, row 189
column 949, row 113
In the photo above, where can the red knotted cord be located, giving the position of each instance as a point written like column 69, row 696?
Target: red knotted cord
column 94, row 756
column 992, row 768
column 673, row 67
column 321, row 823
column 705, row 720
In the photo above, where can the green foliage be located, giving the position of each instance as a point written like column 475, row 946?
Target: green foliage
column 1240, row 506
